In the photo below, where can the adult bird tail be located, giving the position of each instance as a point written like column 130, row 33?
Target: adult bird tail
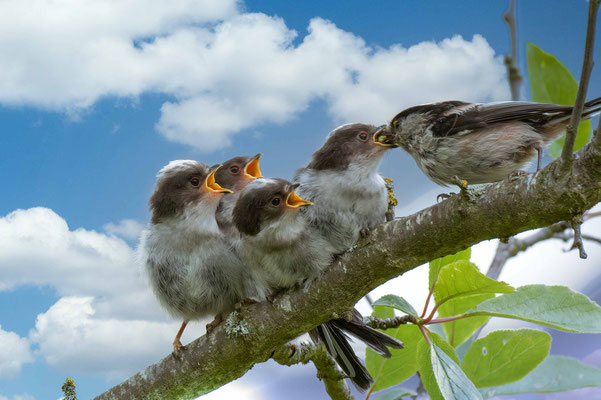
column 591, row 107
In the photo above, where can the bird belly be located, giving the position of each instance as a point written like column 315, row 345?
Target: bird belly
column 484, row 157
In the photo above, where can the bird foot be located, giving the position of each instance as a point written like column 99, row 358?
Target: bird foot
column 292, row 350
column 461, row 183
column 245, row 302
column 364, row 232
column 213, row 324
column 444, row 196
column 516, row 175
column 178, row 347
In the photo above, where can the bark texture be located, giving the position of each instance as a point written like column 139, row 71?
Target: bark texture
column 251, row 335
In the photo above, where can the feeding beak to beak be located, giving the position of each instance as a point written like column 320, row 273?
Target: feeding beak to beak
column 382, row 138
column 251, row 170
column 210, row 185
column 295, row 201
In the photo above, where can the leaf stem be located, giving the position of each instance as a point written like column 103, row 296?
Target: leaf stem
column 427, row 301
column 447, row 319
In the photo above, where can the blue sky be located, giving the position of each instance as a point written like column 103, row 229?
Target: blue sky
column 95, row 99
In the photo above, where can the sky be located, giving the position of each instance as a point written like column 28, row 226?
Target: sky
column 96, row 96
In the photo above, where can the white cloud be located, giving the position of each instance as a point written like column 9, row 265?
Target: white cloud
column 225, row 76
column 15, row 352
column 71, row 337
column 107, row 320
column 126, row 228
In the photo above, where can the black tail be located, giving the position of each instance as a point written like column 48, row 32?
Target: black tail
column 337, row 345
column 376, row 340
column 332, row 334
column 591, row 107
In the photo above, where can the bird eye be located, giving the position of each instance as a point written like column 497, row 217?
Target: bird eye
column 363, row 136
column 234, row 169
column 395, row 123
column 195, row 181
column 276, row 201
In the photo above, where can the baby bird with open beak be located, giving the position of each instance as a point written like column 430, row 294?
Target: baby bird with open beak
column 280, row 242
column 342, row 180
column 455, row 141
column 192, row 268
column 234, row 174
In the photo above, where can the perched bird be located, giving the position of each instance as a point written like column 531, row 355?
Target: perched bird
column 478, row 143
column 234, row 174
column 342, row 180
column 192, row 267
column 280, row 242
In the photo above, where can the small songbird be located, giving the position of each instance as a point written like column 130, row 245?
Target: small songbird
column 342, row 180
column 191, row 265
column 475, row 142
column 234, row 174
column 280, row 242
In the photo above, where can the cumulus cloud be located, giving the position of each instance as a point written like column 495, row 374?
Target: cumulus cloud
column 126, row 228
column 226, row 71
column 15, row 352
column 70, row 337
column 106, row 321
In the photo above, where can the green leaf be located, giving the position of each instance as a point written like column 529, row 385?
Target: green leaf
column 396, row 394
column 440, row 373
column 390, row 300
column 556, row 306
column 437, row 264
column 506, row 356
column 431, row 375
column 402, row 365
column 552, row 82
column 462, row 349
column 460, row 330
column 554, row 374
column 462, row 278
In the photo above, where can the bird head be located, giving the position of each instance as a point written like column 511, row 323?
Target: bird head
column 348, row 144
column 237, row 172
column 264, row 201
column 180, row 184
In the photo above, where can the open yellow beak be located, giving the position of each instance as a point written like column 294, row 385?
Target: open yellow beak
column 251, row 170
column 212, row 186
column 380, row 138
column 295, row 201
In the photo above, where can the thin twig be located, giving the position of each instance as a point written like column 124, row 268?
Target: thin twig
column 332, row 377
column 388, row 323
column 592, row 238
column 511, row 61
column 587, row 66
column 576, row 224
column 514, row 246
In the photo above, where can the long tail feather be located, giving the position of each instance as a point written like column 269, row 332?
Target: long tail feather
column 337, row 345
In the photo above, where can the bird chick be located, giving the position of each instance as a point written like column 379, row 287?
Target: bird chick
column 476, row 142
column 234, row 174
column 342, row 180
column 191, row 266
column 280, row 242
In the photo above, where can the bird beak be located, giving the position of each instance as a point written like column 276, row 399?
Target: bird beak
column 382, row 138
column 295, row 201
column 251, row 170
column 210, row 185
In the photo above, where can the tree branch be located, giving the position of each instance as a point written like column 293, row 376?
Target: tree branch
column 249, row 336
column 332, row 377
column 587, row 66
column 513, row 73
column 514, row 246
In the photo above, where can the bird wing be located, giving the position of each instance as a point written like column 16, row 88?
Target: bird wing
column 480, row 116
